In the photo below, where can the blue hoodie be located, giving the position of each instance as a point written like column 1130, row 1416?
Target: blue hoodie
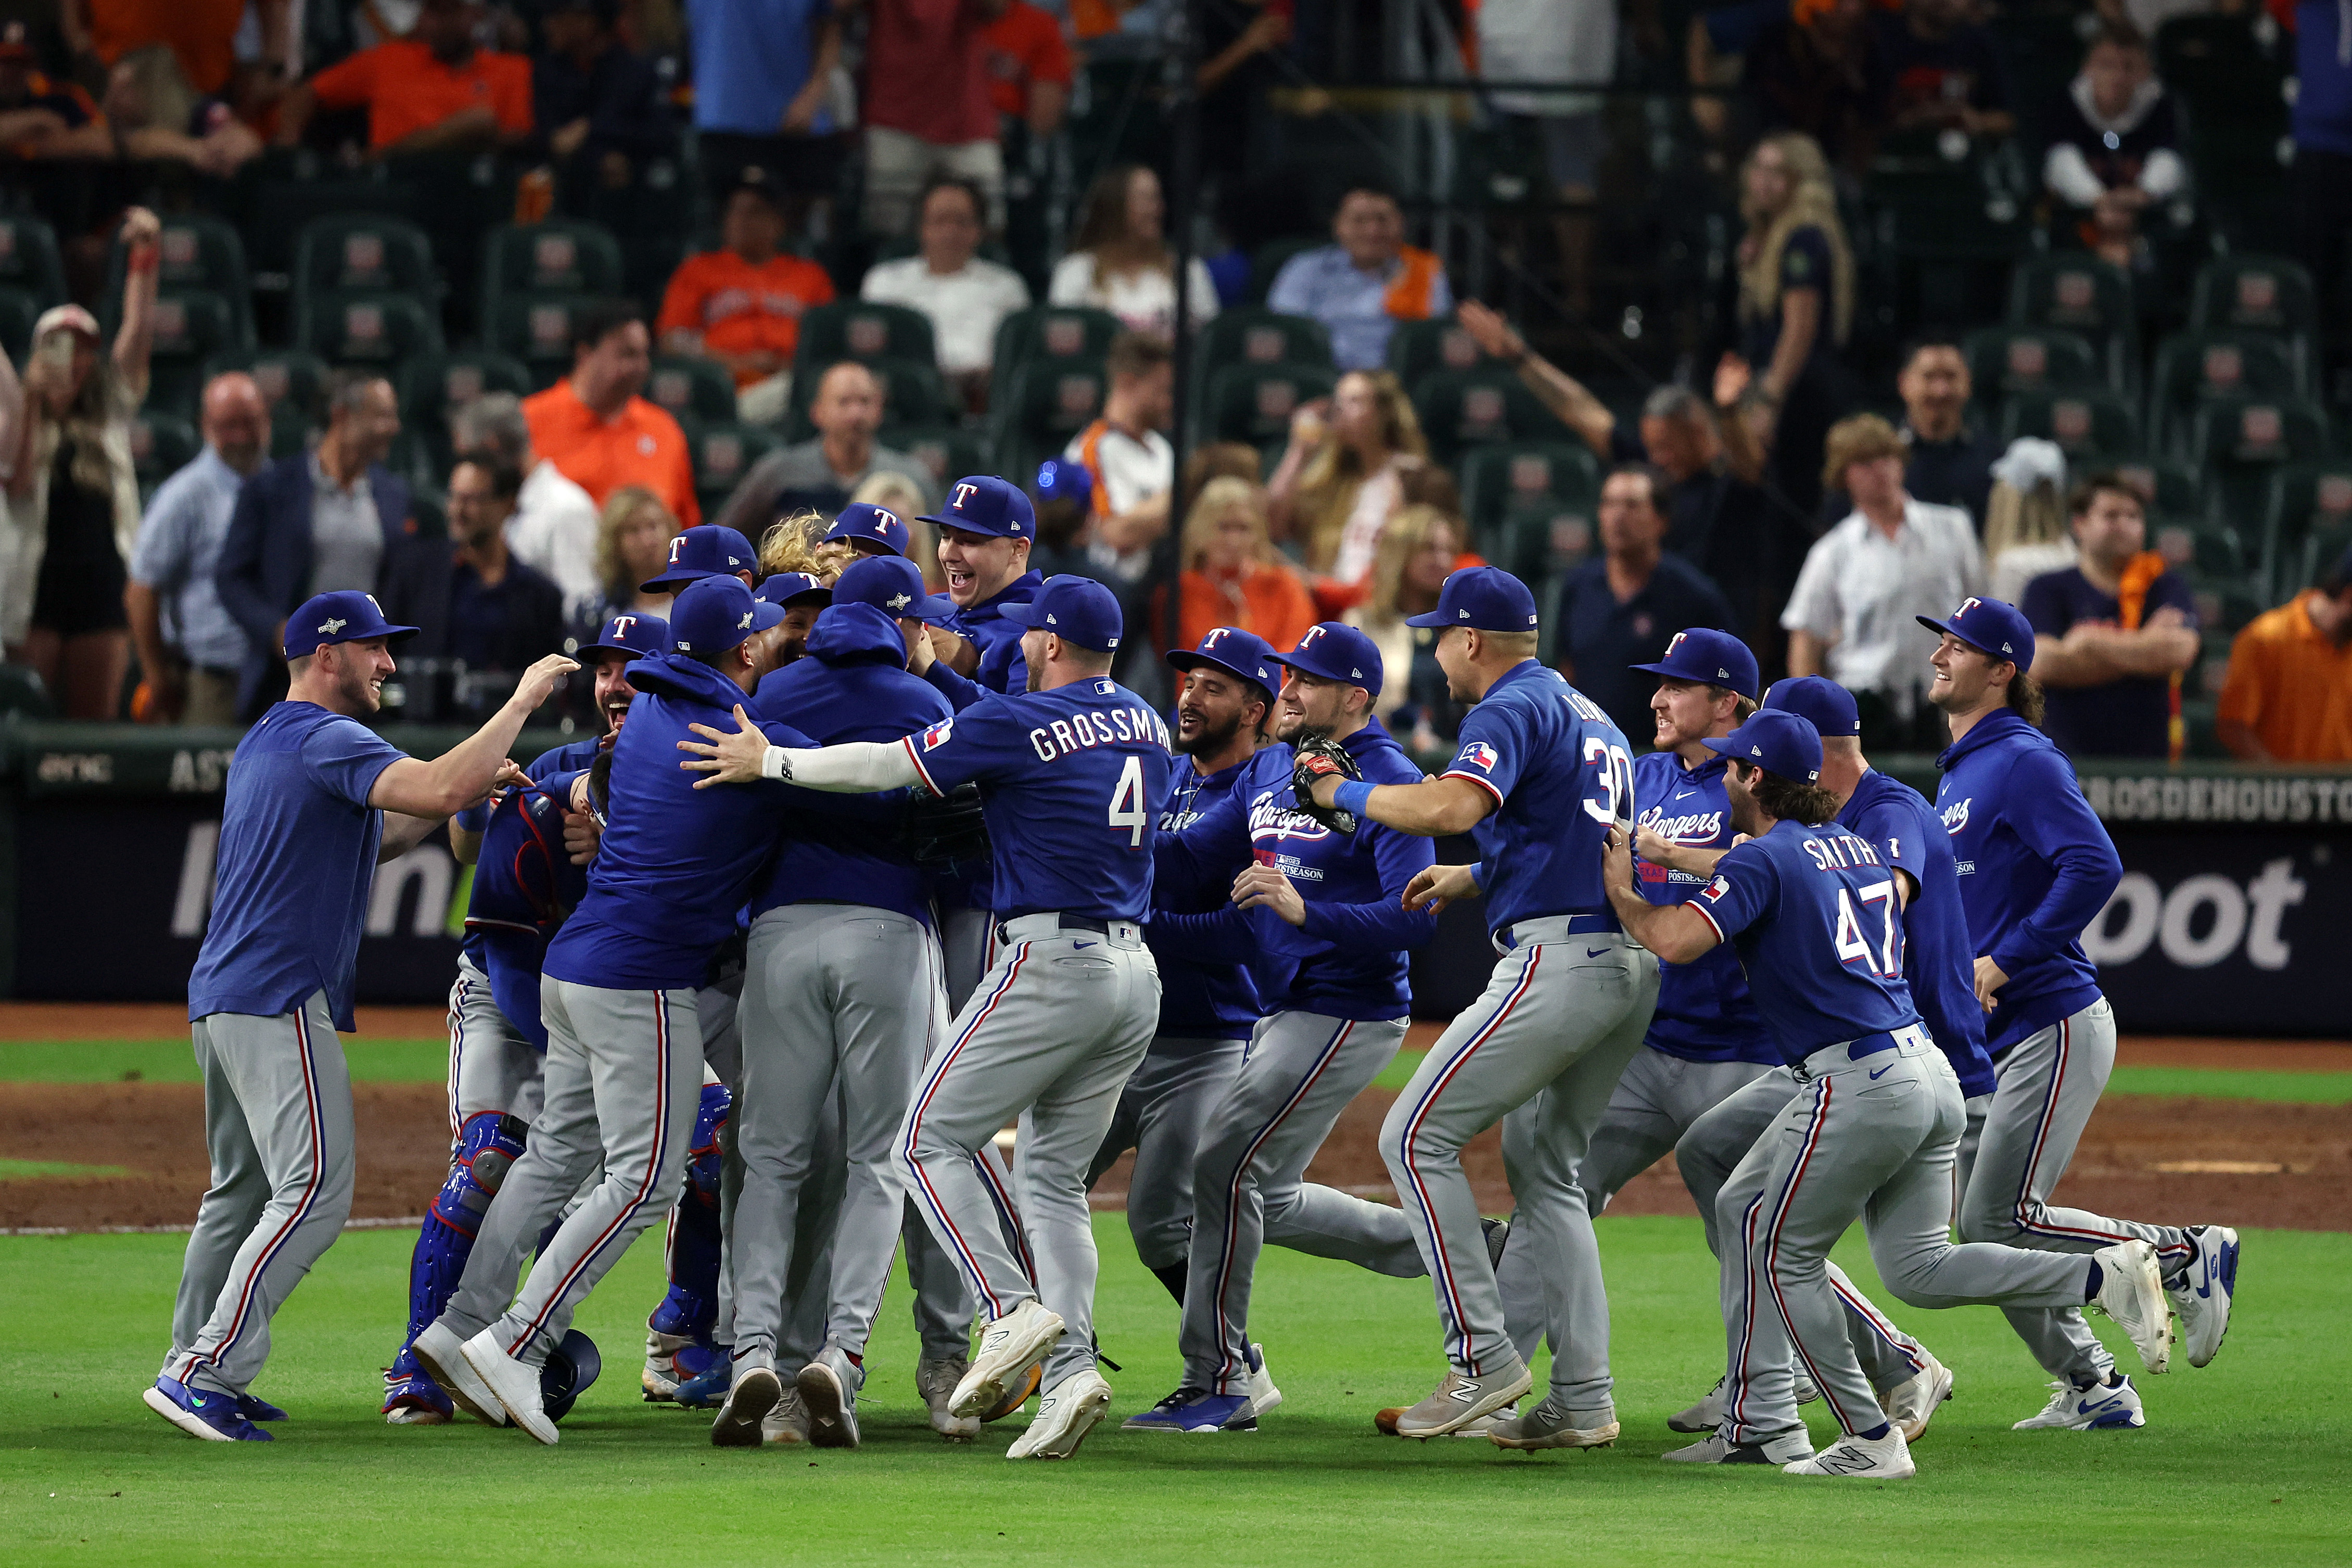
column 853, row 685
column 677, row 864
column 2035, row 868
column 1200, row 997
column 1002, row 668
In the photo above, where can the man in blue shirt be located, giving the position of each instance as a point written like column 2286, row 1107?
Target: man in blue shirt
column 1540, row 777
column 1618, row 611
column 1815, row 917
column 1365, row 282
column 2036, row 867
column 301, row 834
column 191, row 649
column 762, row 71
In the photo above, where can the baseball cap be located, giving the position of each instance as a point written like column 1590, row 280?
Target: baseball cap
column 1336, row 652
column 1075, row 609
column 1703, row 654
column 890, row 583
column 985, row 504
column 1483, row 598
column 1059, row 479
column 784, row 588
column 939, row 609
column 346, row 615
column 1778, row 741
column 1234, row 651
column 752, row 177
column 717, row 613
column 1989, row 626
column 65, row 318
column 862, row 523
column 639, row 636
column 700, row 551
column 1828, row 706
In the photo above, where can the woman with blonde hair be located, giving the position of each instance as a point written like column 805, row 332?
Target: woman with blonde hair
column 1342, row 476
column 1233, row 574
column 1417, row 549
column 897, row 493
column 632, row 535
column 1121, row 261
column 2026, row 532
column 1796, row 307
column 791, row 545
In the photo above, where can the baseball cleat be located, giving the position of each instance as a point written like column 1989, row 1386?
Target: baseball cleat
column 2203, row 1299
column 1913, row 1403
column 1458, row 1400
column 1017, row 1392
column 2114, row 1406
column 1386, row 1422
column 1006, row 1346
column 1887, row 1459
column 1803, row 1389
column 414, row 1400
column 443, row 1356
column 709, row 1371
column 1772, row 1448
column 2131, row 1293
column 1066, row 1414
column 1549, row 1426
column 788, row 1422
column 1703, row 1417
column 828, row 1387
column 513, row 1384
column 1264, row 1395
column 1191, row 1409
column 253, row 1407
column 753, row 1395
column 203, row 1413
column 1498, row 1232
column 936, row 1382
column 661, row 1375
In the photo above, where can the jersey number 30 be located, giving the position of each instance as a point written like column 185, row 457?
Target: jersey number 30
column 1127, row 808
column 1853, row 945
column 1616, row 768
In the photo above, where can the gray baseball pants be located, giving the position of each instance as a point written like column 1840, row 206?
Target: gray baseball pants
column 1300, row 1071
column 623, row 1084
column 492, row 1067
column 277, row 1125
column 1163, row 1114
column 1565, row 1010
column 1870, row 1137
column 1052, row 1033
column 2017, row 1146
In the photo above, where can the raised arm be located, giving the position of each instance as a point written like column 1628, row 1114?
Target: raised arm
column 1556, row 390
column 464, row 774
column 143, row 237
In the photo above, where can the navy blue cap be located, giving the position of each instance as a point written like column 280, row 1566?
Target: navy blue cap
column 1336, row 652
column 892, row 584
column 1989, row 626
column 1703, row 654
column 1075, row 609
column 639, row 636
column 862, row 523
column 939, row 609
column 1235, row 651
column 1778, row 741
column 1483, row 598
column 1059, row 479
column 789, row 587
column 717, row 613
column 1828, row 706
column 701, row 551
column 345, row 616
column 985, row 504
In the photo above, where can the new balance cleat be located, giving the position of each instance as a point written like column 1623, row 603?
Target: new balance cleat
column 442, row 1354
column 1007, row 1347
column 753, row 1393
column 1887, row 1459
column 1550, row 1426
column 936, row 1382
column 1066, row 1414
column 1772, row 1448
column 828, row 1387
column 1704, row 1417
column 788, row 1422
column 1264, row 1395
column 1912, row 1404
column 1459, row 1399
column 515, row 1385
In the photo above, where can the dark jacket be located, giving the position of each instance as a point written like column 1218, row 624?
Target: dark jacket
column 418, row 585
column 266, row 562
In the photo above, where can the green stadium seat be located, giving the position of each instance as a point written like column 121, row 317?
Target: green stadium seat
column 367, row 327
column 1047, row 404
column 29, row 259
column 161, row 446
column 1421, row 349
column 2243, row 442
column 559, row 255
column 338, row 256
column 1499, row 478
column 2168, row 487
column 2194, row 368
column 687, row 385
column 1463, row 409
column 433, row 387
column 946, row 452
column 293, row 382
column 2081, row 294
column 1250, row 335
column 18, row 311
column 1544, row 537
column 2198, row 543
column 191, row 328
column 1051, row 333
column 1253, row 402
column 722, row 453
column 2009, row 361
column 913, row 392
column 2304, row 501
column 2087, row 425
column 2324, row 545
column 2224, row 604
column 856, row 329
column 201, row 254
column 2264, row 294
column 2212, row 671
column 536, row 329
column 1267, row 261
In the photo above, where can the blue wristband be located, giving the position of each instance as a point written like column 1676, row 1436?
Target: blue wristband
column 1353, row 796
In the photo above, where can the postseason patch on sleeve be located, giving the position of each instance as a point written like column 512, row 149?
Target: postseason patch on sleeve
column 937, row 736
column 1478, row 755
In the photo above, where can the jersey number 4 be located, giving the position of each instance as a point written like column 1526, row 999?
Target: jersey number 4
column 1853, row 945
column 1127, row 808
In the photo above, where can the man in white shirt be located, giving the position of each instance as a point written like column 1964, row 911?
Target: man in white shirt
column 553, row 529
column 965, row 296
column 1867, row 577
column 1132, row 466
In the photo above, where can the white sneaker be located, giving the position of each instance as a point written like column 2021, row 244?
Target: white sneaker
column 1704, row 1417
column 936, row 1382
column 2203, row 1299
column 1262, row 1394
column 1912, row 1404
column 2099, row 1406
column 1066, row 1414
column 515, row 1385
column 755, row 1391
column 1007, row 1346
column 2131, row 1291
column 441, row 1353
column 1773, row 1448
column 1887, row 1459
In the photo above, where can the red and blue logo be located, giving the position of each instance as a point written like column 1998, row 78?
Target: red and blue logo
column 1479, row 754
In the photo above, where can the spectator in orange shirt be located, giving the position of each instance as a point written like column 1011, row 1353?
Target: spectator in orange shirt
column 1233, row 575
column 1029, row 67
column 741, row 304
column 2288, row 696
column 430, row 92
column 43, row 119
column 202, row 33
column 597, row 430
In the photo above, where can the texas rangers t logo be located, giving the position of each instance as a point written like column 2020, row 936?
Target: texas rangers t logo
column 963, row 494
column 1211, row 640
column 885, row 520
column 621, row 624
column 676, row 543
column 1672, row 643
column 1308, row 641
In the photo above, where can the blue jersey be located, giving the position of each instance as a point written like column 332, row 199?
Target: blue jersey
column 499, row 896
column 1068, row 779
column 524, row 883
column 1705, row 1013
column 1936, row 962
column 853, row 685
column 2035, row 865
column 1813, row 914
column 677, row 863
column 297, row 849
column 1561, row 775
column 1002, row 668
column 1352, row 951
column 1200, row 997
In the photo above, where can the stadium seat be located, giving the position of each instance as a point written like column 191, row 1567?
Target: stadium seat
column 1541, row 538
column 946, row 452
column 2264, row 294
column 375, row 327
column 161, row 446
column 2193, row 368
column 21, row 692
column 2168, row 487
column 2087, row 424
column 1051, row 333
column 2224, row 604
column 1047, row 404
column 536, row 329
column 1422, row 349
column 190, row 329
column 433, row 387
column 856, row 329
column 1253, row 403
column 29, row 259
column 201, row 254
column 912, row 394
column 2243, row 442
column 2304, row 500
column 689, row 386
column 1461, row 409
column 2198, row 543
column 1507, row 475
column 2081, row 294
column 2324, row 545
column 1250, row 335
column 722, row 454
column 556, row 256
column 18, row 311
column 2008, row 362
column 337, row 256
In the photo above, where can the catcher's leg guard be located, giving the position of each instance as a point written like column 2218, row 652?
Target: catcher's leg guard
column 487, row 1146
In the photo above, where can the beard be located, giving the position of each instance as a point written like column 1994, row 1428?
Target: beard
column 1211, row 739
column 357, row 687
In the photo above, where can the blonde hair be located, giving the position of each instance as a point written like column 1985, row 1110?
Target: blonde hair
column 621, row 508
column 894, row 492
column 1218, row 497
column 790, row 543
column 1813, row 204
column 164, row 90
column 1405, row 537
column 1327, row 491
column 2014, row 517
column 1858, row 438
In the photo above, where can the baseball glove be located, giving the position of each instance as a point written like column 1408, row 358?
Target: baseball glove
column 943, row 834
column 1314, row 756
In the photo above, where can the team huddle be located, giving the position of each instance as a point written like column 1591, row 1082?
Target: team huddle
column 856, row 877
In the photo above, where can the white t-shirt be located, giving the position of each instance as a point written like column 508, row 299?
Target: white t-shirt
column 1548, row 40
column 1377, row 498
column 1144, row 301
column 965, row 306
column 553, row 532
column 1861, row 592
column 1130, row 472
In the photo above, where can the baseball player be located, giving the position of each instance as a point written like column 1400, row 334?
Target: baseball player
column 316, row 801
column 622, row 1083
column 861, row 530
column 706, row 550
column 1540, row 776
column 1071, row 770
column 1329, row 898
column 1816, row 917
column 2036, row 866
column 531, row 877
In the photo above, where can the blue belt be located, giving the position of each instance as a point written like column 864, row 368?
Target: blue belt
column 1581, row 923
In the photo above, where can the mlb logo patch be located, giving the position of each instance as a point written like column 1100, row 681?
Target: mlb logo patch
column 937, row 736
column 1479, row 754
